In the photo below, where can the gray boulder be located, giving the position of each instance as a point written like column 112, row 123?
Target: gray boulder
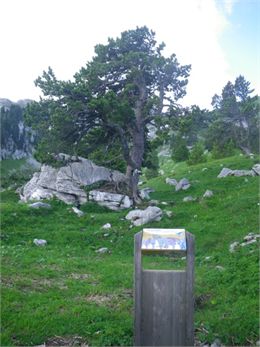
column 171, row 181
column 184, row 184
column 140, row 217
column 66, row 182
column 238, row 173
column 110, row 200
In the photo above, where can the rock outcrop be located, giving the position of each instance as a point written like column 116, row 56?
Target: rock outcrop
column 238, row 173
column 17, row 140
column 66, row 183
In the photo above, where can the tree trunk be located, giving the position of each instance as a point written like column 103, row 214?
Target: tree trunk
column 137, row 151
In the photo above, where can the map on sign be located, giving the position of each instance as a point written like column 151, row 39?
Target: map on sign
column 164, row 239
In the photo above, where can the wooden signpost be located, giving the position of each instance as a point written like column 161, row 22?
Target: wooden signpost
column 164, row 300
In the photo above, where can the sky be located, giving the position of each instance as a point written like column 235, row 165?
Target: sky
column 219, row 38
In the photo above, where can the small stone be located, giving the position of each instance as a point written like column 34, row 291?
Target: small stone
column 171, row 181
column 183, row 184
column 40, row 205
column 106, row 235
column 168, row 213
column 216, row 343
column 248, row 243
column 164, row 203
column 40, row 242
column 183, row 258
column 208, row 194
column 144, row 193
column 188, row 198
column 102, row 250
column 233, row 246
column 207, row 258
column 220, row 268
column 106, row 226
column 249, row 237
column 257, row 343
column 77, row 211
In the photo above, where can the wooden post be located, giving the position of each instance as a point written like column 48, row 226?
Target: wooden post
column 164, row 302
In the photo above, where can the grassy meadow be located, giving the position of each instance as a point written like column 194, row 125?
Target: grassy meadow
column 68, row 291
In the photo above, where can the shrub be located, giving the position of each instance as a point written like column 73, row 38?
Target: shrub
column 180, row 151
column 197, row 155
column 227, row 150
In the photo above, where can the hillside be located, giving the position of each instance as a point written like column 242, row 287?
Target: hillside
column 68, row 292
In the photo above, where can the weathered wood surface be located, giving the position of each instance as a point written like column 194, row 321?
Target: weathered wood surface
column 164, row 302
column 137, row 289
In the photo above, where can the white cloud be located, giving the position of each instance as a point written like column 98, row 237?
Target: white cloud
column 62, row 34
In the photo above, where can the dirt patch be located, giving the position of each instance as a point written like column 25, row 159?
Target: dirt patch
column 79, row 276
column 65, row 341
column 101, row 299
column 30, row 284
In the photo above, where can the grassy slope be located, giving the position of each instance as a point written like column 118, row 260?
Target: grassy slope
column 67, row 289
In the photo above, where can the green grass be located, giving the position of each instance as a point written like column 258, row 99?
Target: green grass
column 67, row 289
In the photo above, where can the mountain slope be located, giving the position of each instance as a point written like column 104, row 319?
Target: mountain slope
column 67, row 288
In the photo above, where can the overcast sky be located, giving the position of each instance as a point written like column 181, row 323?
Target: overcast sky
column 219, row 38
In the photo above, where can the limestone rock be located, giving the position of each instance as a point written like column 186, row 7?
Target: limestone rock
column 183, row 184
column 40, row 242
column 233, row 246
column 140, row 217
column 168, row 213
column 102, row 250
column 171, row 181
column 188, row 199
column 78, row 212
column 208, row 194
column 225, row 172
column 106, row 226
column 66, row 182
column 144, row 193
column 238, row 173
column 40, row 205
column 110, row 200
column 256, row 169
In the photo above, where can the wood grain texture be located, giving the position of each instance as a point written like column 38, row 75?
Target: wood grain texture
column 137, row 289
column 189, row 288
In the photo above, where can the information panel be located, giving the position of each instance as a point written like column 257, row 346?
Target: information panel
column 163, row 240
